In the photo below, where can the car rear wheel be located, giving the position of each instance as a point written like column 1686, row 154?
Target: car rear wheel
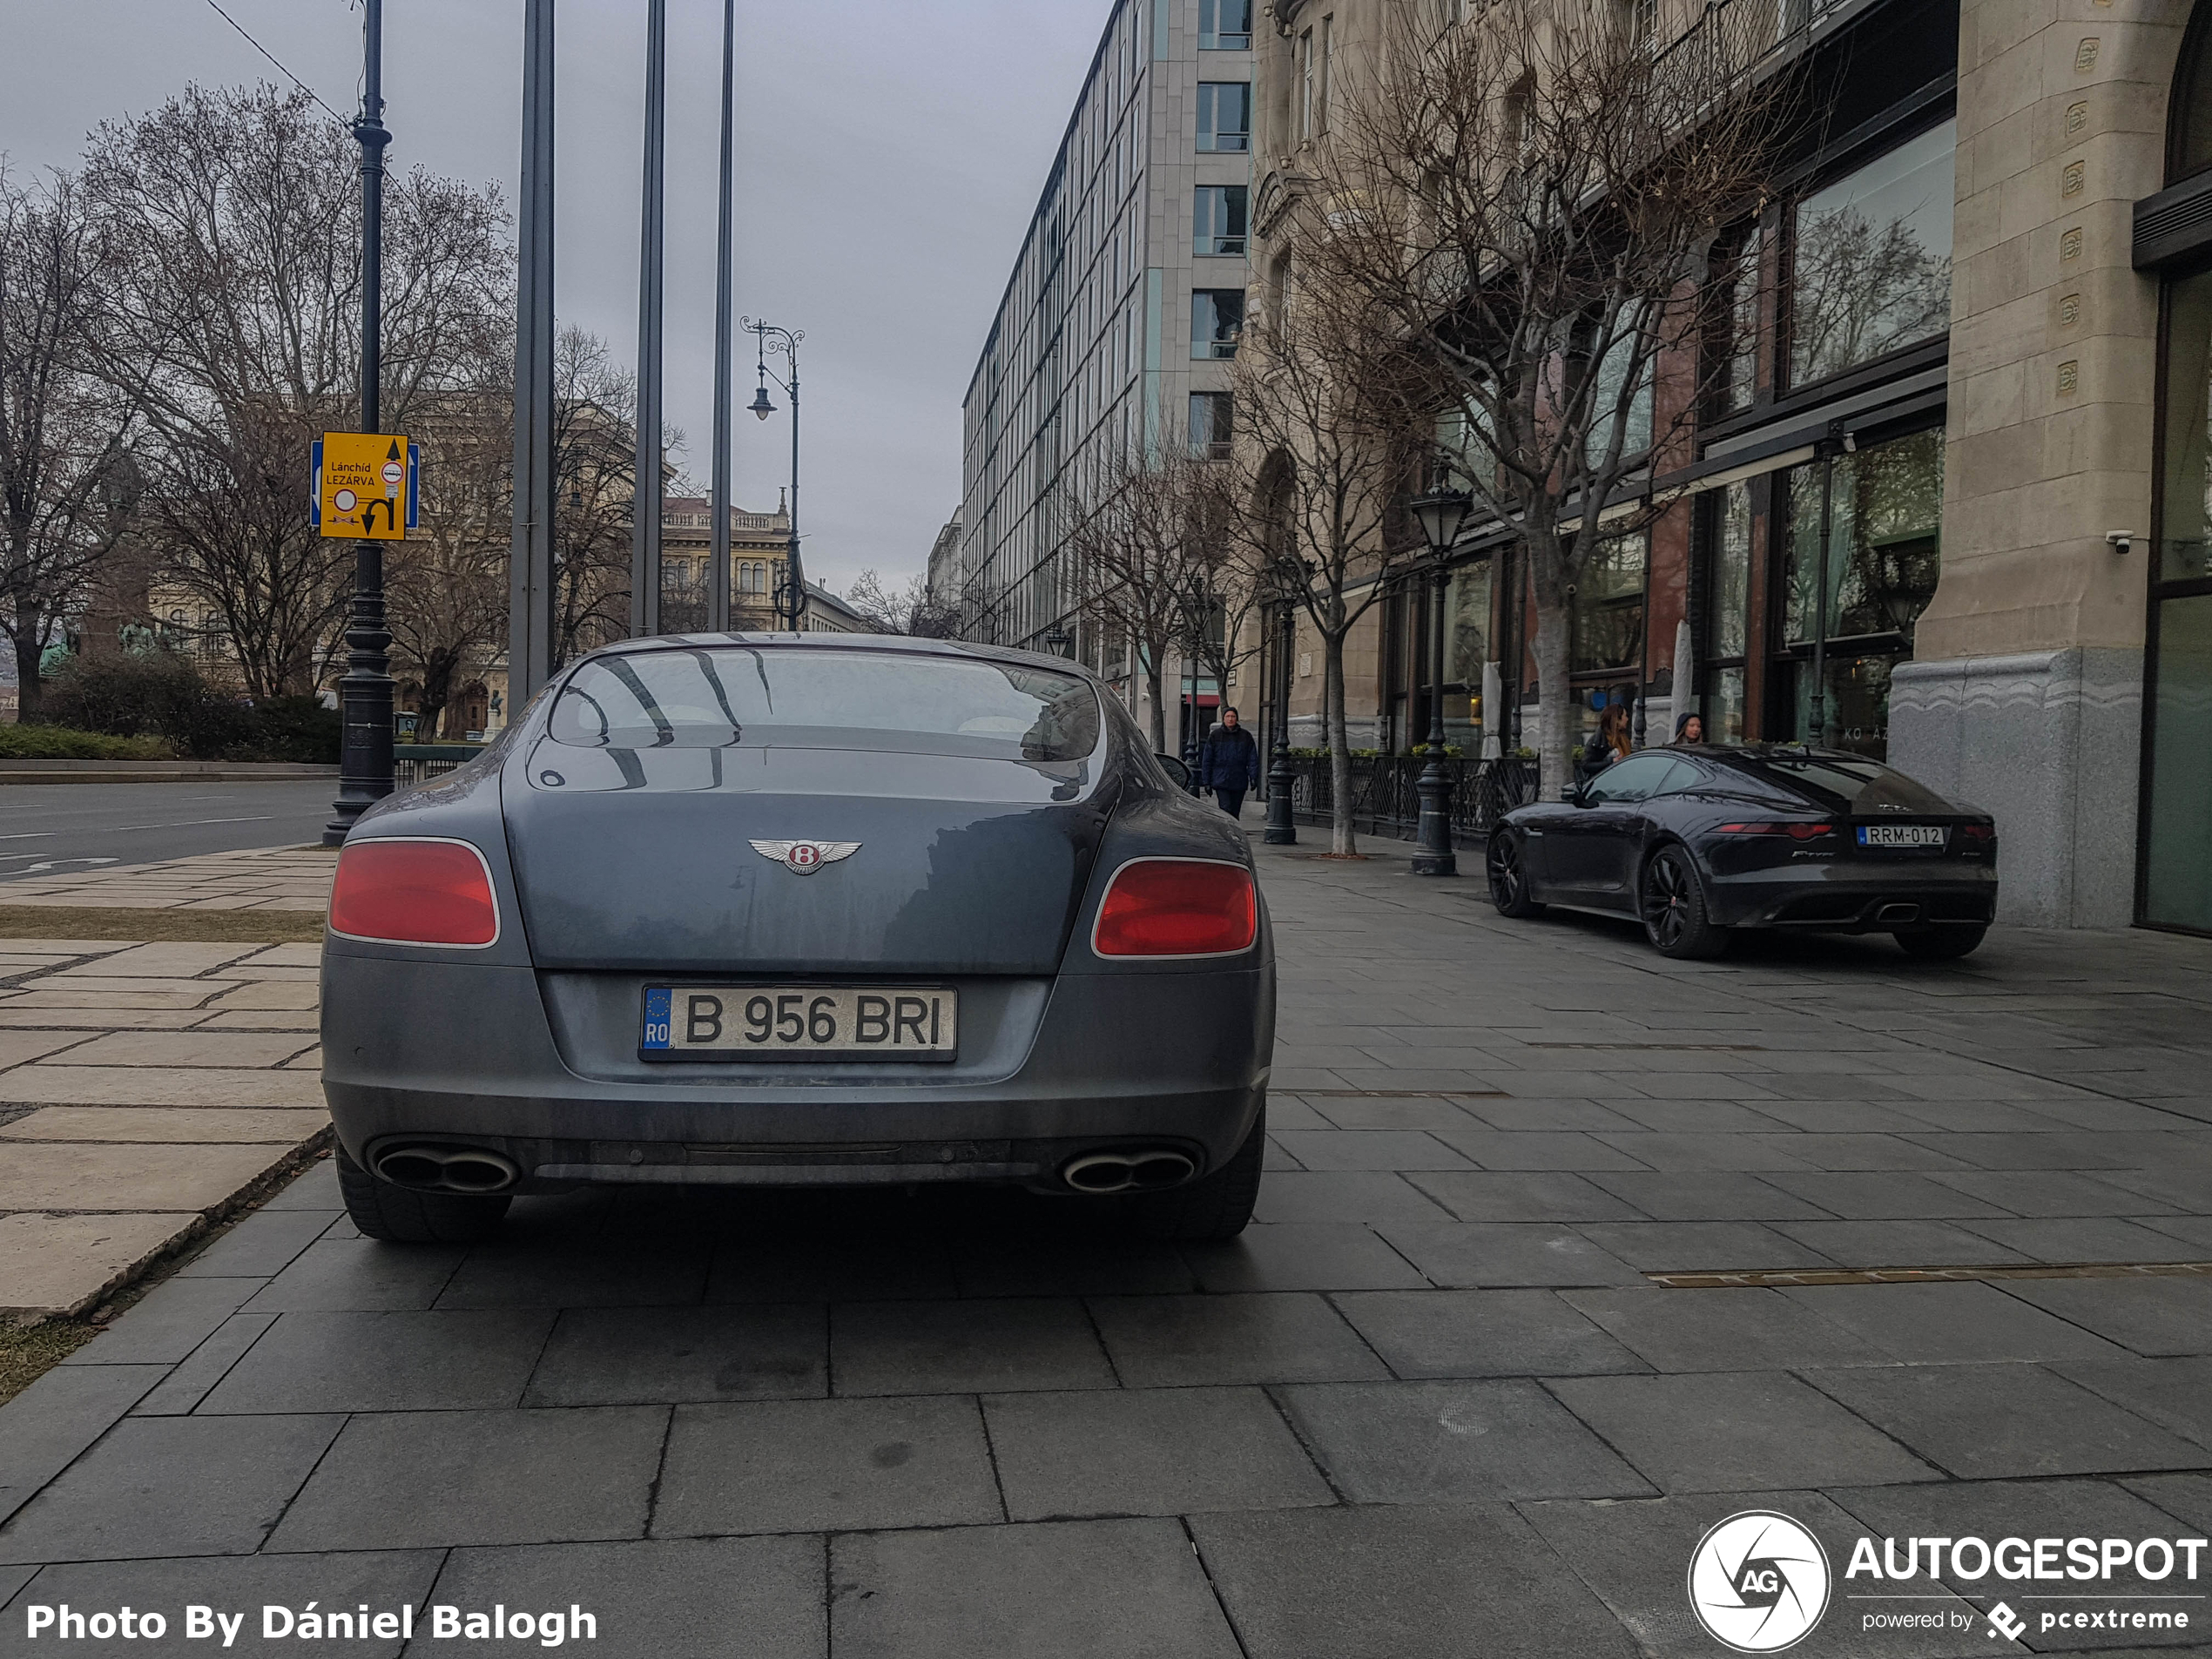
column 400, row 1216
column 1675, row 918
column 1213, row 1206
column 1509, row 878
column 1941, row 945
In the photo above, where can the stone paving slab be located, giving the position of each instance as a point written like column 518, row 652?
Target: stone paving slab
column 124, row 1134
column 259, row 879
column 1433, row 1403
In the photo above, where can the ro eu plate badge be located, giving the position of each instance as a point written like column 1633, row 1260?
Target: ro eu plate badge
column 656, row 1017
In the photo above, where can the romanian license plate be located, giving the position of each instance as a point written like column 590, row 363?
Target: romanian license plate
column 793, row 1021
column 1901, row 835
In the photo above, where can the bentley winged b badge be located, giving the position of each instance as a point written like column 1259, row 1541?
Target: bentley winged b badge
column 804, row 858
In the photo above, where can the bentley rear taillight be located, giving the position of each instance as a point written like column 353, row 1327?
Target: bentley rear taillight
column 400, row 892
column 1178, row 907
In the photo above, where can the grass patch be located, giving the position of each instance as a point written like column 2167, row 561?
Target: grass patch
column 29, row 1352
column 36, row 742
column 163, row 926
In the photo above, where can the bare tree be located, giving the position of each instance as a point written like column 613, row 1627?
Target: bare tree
column 911, row 610
column 1133, row 548
column 1236, row 578
column 229, row 224
column 594, row 485
column 67, row 483
column 1531, row 197
column 1329, row 439
column 446, row 586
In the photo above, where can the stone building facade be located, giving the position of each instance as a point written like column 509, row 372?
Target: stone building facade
column 2016, row 458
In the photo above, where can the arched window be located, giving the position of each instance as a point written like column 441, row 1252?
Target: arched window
column 2189, row 118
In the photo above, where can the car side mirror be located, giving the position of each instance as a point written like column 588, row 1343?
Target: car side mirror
column 1176, row 769
column 1575, row 797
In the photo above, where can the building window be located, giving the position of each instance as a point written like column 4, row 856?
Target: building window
column 1315, row 48
column 1608, row 608
column 1224, row 116
column 1870, row 259
column 1886, row 513
column 1225, row 26
column 1614, row 403
column 1728, row 610
column 1211, row 427
column 1732, row 346
column 1305, row 84
column 1217, row 318
column 1218, row 219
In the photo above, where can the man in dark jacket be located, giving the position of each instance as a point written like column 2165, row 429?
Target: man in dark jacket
column 1229, row 763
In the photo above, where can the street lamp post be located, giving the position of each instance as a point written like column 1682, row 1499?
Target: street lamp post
column 1282, row 827
column 1440, row 512
column 785, row 342
column 364, row 770
column 1057, row 639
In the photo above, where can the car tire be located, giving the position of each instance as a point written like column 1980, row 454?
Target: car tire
column 1507, row 865
column 400, row 1216
column 1941, row 945
column 1214, row 1206
column 1671, row 901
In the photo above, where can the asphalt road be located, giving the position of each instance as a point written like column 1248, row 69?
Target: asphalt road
column 47, row 829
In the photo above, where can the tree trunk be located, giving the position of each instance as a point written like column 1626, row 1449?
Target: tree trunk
column 1555, row 704
column 1159, row 711
column 1343, row 843
column 30, row 646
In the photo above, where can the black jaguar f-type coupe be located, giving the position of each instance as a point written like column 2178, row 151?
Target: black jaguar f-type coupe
column 800, row 910
column 1699, row 840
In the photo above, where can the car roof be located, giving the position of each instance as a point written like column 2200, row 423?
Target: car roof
column 905, row 643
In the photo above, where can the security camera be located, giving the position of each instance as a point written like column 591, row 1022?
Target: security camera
column 2119, row 541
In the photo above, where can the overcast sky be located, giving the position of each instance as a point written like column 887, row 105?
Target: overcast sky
column 889, row 153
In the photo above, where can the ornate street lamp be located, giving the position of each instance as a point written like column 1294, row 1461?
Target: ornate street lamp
column 784, row 343
column 1282, row 778
column 1057, row 639
column 1440, row 512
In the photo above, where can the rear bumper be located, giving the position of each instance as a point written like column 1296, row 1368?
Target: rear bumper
column 464, row 1054
column 1856, row 899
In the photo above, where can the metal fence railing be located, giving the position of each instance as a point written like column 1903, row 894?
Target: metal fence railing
column 415, row 763
column 1387, row 801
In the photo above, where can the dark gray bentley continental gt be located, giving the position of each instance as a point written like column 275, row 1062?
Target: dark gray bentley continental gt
column 800, row 910
column 1698, row 839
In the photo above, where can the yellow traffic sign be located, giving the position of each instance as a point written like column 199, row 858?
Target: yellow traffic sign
column 363, row 490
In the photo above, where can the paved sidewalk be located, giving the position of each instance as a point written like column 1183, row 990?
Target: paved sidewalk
column 145, row 1090
column 278, row 878
column 1435, row 1403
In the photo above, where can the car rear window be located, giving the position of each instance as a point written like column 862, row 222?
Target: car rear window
column 1854, row 786
column 734, row 696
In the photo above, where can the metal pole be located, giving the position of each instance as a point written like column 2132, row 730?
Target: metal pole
column 645, row 527
column 1817, row 723
column 797, row 575
column 529, row 618
column 1435, row 784
column 718, row 586
column 1282, row 825
column 364, row 770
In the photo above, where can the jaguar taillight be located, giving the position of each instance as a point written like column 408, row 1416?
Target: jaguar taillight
column 1796, row 832
column 1178, row 907
column 400, row 892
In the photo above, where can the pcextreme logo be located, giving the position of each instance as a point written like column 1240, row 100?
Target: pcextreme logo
column 1759, row 1582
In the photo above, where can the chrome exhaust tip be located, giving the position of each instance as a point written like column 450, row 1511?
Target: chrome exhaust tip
column 1143, row 1170
column 1891, row 913
column 448, row 1168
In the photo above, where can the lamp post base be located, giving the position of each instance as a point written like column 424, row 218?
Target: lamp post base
column 1436, row 856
